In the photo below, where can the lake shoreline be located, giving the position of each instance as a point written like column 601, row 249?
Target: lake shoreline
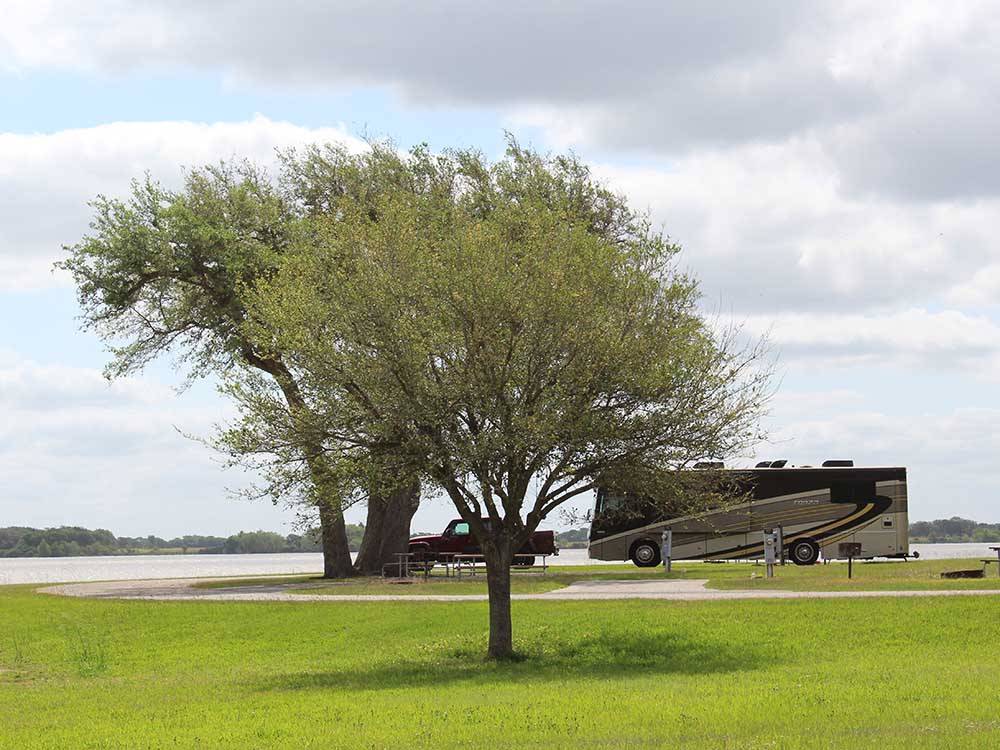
column 17, row 570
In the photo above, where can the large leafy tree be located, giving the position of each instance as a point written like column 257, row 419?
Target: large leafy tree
column 168, row 271
column 513, row 332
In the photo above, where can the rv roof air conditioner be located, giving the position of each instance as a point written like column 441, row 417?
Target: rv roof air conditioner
column 837, row 462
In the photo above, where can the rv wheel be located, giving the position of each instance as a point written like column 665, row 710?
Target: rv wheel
column 645, row 554
column 805, row 552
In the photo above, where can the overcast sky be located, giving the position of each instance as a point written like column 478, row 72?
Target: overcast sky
column 832, row 171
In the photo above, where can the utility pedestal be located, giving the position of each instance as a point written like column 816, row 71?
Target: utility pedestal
column 667, row 540
column 770, row 551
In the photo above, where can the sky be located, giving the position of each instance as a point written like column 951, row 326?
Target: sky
column 831, row 169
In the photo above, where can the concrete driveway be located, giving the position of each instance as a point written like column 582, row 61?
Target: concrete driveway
column 667, row 589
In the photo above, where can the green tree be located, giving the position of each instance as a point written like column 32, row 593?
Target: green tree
column 513, row 332
column 254, row 542
column 167, row 271
column 170, row 271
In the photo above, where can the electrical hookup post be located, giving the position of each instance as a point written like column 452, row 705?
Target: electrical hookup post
column 770, row 551
column 667, row 541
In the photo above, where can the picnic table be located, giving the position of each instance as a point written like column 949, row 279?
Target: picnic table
column 406, row 563
column 469, row 562
column 987, row 560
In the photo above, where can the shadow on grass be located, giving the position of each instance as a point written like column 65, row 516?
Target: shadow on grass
column 605, row 655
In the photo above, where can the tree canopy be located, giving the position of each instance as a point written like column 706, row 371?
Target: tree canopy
column 513, row 332
column 167, row 272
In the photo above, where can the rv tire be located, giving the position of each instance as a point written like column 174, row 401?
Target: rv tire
column 805, row 552
column 645, row 554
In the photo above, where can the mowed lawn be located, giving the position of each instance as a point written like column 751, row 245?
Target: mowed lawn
column 887, row 673
column 874, row 575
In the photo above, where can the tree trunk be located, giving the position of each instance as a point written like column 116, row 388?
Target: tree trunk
column 387, row 529
column 501, row 645
column 333, row 530
column 336, row 549
column 367, row 562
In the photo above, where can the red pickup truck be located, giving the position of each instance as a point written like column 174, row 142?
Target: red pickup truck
column 458, row 539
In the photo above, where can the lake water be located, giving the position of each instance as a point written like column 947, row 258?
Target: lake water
column 67, row 569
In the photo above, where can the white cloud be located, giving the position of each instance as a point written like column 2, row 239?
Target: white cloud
column 75, row 449
column 768, row 228
column 981, row 289
column 900, row 96
column 914, row 338
column 900, row 93
column 46, row 180
column 951, row 457
column 443, row 48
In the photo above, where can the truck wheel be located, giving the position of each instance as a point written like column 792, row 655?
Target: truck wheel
column 524, row 562
column 645, row 554
column 805, row 552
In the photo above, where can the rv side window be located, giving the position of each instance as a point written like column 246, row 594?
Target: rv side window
column 852, row 492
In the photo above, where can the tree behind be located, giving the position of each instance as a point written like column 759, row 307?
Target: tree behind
column 168, row 272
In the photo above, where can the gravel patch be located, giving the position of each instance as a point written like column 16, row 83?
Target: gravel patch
column 669, row 590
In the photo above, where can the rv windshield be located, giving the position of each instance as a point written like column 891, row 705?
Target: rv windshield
column 608, row 502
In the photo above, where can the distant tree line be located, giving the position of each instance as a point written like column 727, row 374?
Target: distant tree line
column 954, row 529
column 74, row 541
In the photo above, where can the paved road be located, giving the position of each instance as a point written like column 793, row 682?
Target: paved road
column 673, row 590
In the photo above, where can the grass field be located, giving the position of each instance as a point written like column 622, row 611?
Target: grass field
column 867, row 576
column 906, row 673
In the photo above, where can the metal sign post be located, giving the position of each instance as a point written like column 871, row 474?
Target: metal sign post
column 850, row 550
column 667, row 539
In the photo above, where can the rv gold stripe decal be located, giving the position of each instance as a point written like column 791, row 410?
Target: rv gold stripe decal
column 835, row 525
column 674, row 522
column 813, row 532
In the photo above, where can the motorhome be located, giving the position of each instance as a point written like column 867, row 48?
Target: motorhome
column 817, row 511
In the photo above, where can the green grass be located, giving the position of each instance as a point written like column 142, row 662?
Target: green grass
column 887, row 673
column 876, row 575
